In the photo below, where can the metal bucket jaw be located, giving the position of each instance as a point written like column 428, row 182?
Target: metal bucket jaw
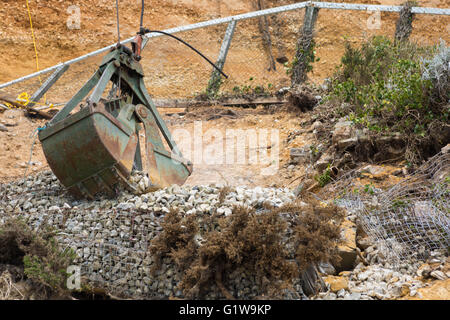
column 95, row 149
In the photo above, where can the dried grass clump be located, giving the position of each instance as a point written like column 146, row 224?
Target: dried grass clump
column 37, row 256
column 275, row 245
column 8, row 290
column 316, row 232
column 177, row 238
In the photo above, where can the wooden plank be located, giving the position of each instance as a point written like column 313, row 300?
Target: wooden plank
column 184, row 103
column 258, row 101
column 18, row 105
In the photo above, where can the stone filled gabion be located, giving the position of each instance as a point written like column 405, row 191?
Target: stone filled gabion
column 111, row 237
column 408, row 220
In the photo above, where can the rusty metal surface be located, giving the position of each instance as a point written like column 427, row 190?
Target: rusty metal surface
column 163, row 169
column 91, row 151
column 87, row 148
column 95, row 149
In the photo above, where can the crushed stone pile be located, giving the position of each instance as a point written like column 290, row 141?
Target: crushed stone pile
column 111, row 238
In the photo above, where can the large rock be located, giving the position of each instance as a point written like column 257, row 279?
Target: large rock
column 336, row 283
column 374, row 170
column 326, row 268
column 346, row 143
column 300, row 155
column 342, row 130
column 363, row 243
column 324, row 161
column 347, row 249
column 438, row 290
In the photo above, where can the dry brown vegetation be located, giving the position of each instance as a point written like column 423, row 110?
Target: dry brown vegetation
column 276, row 245
column 32, row 259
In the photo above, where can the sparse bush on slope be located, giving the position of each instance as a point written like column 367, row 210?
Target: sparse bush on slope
column 397, row 87
column 37, row 255
column 276, row 245
column 437, row 70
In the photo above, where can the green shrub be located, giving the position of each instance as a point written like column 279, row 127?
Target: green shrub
column 437, row 70
column 385, row 90
column 49, row 270
column 324, row 178
column 43, row 261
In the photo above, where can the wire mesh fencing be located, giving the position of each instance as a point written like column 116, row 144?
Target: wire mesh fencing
column 260, row 54
column 172, row 70
column 117, row 256
column 60, row 93
column 257, row 63
column 409, row 220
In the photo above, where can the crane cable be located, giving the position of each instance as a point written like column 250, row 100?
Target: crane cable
column 143, row 31
column 118, row 44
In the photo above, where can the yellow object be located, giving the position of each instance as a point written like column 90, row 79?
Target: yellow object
column 323, row 204
column 34, row 44
column 24, row 99
column 10, row 106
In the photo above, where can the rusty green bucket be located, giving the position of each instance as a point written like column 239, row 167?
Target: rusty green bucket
column 95, row 149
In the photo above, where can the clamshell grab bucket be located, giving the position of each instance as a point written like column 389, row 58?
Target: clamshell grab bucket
column 93, row 150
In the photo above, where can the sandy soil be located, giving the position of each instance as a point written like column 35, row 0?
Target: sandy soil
column 170, row 68
column 211, row 146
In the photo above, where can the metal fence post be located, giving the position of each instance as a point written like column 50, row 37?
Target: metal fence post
column 47, row 85
column 305, row 45
column 403, row 27
column 216, row 79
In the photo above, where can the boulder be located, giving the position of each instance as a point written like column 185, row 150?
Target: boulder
column 437, row 274
column 326, row 268
column 300, row 155
column 438, row 290
column 342, row 130
column 373, row 170
column 302, row 97
column 446, row 149
column 323, row 162
column 347, row 249
column 347, row 143
column 336, row 283
column 317, row 125
column 363, row 243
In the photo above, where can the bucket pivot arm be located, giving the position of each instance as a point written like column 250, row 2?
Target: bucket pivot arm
column 101, row 141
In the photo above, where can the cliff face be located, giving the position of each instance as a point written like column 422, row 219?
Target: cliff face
column 56, row 42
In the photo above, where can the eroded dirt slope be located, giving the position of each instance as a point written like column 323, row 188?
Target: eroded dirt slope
column 56, row 43
column 169, row 64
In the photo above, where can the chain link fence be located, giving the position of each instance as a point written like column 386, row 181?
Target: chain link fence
column 409, row 220
column 257, row 56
